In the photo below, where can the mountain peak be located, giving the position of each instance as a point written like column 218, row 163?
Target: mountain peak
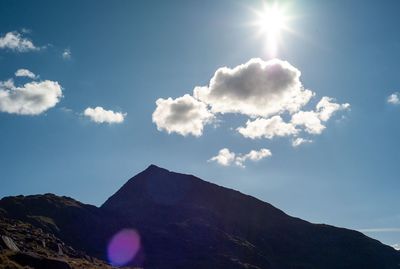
column 153, row 167
column 156, row 184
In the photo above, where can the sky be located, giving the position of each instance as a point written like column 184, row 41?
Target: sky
column 301, row 110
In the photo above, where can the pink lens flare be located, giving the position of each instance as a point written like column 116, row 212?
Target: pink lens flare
column 123, row 247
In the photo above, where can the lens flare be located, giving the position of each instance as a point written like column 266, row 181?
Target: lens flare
column 123, row 247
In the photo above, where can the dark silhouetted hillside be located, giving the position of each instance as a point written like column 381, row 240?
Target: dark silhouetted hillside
column 185, row 222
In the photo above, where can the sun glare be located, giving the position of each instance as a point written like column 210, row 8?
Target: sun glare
column 271, row 21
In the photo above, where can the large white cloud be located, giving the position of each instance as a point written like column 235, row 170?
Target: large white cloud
column 268, row 128
column 100, row 115
column 270, row 93
column 226, row 158
column 394, row 98
column 260, row 89
column 184, row 115
column 256, row 88
column 32, row 98
column 16, row 42
column 25, row 73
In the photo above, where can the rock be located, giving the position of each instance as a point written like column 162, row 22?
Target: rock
column 60, row 251
column 8, row 243
column 53, row 246
column 89, row 258
column 39, row 262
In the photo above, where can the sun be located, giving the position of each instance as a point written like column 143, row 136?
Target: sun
column 271, row 22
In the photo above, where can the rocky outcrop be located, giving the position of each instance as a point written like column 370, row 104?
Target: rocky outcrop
column 7, row 243
column 35, row 261
column 23, row 245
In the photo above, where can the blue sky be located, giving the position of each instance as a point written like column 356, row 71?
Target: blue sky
column 123, row 56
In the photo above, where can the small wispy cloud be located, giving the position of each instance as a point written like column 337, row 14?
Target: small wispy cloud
column 15, row 41
column 300, row 141
column 394, row 98
column 66, row 55
column 224, row 157
column 100, row 115
column 253, row 155
column 227, row 158
column 25, row 73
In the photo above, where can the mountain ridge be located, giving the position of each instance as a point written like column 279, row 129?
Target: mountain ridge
column 186, row 222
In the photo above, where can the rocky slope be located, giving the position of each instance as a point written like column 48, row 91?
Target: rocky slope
column 25, row 246
column 185, row 222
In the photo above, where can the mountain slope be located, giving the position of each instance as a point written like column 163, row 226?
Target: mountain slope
column 85, row 227
column 236, row 226
column 185, row 222
column 38, row 249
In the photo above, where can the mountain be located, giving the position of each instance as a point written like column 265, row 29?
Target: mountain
column 185, row 222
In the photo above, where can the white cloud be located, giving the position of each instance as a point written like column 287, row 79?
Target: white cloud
column 265, row 91
column 299, row 141
column 100, row 115
column 312, row 120
column 226, row 158
column 7, row 84
column 394, row 98
column 32, row 98
column 66, row 55
column 16, row 42
column 309, row 120
column 253, row 155
column 256, row 88
column 326, row 108
column 25, row 73
column 184, row 115
column 396, row 246
column 267, row 128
